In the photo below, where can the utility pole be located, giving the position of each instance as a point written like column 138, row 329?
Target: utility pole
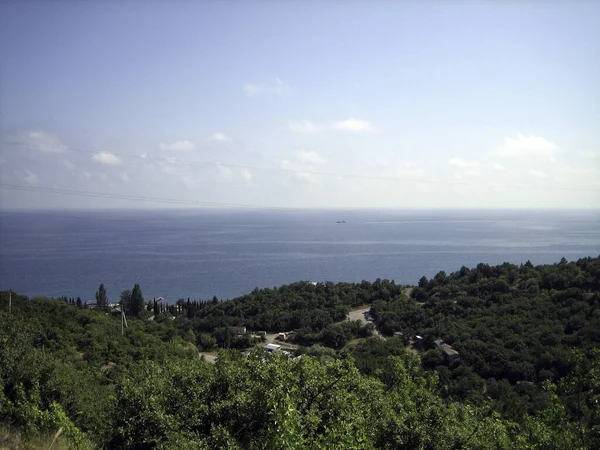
column 123, row 320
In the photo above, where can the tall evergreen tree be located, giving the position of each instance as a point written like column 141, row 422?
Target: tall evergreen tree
column 137, row 301
column 101, row 300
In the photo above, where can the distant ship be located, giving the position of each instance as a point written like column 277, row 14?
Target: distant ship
column 341, row 221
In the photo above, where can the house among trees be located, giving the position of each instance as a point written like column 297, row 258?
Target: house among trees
column 449, row 353
column 240, row 331
column 272, row 347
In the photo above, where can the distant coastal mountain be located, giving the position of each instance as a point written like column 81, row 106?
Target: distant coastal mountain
column 341, row 221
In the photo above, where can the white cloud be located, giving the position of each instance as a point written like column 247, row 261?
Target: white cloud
column 304, row 126
column 219, row 137
column 46, row 142
column 277, row 87
column 30, row 178
column 527, row 146
column 124, row 177
column 499, row 166
column 353, row 125
column 106, row 158
column 457, row 162
column 537, row 173
column 178, row 146
column 144, row 155
column 310, row 157
column 246, row 175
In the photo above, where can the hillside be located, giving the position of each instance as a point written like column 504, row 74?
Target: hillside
column 527, row 374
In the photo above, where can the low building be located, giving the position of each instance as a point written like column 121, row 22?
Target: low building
column 272, row 347
column 438, row 342
column 449, row 353
column 239, row 330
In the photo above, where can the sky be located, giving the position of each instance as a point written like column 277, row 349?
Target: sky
column 300, row 104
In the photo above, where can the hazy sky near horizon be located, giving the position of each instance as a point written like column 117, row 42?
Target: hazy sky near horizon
column 428, row 104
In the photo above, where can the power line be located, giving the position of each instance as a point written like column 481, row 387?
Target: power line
column 163, row 200
column 302, row 172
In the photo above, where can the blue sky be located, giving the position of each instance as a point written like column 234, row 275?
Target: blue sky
column 429, row 104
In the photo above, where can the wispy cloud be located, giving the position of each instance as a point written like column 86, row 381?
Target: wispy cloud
column 46, row 142
column 307, row 177
column 178, row 146
column 107, row 159
column 458, row 162
column 499, row 166
column 278, row 87
column 526, row 146
column 305, row 126
column 310, row 157
column 219, row 137
column 246, row 175
column 354, row 125
column 30, row 178
column 224, row 173
column 348, row 125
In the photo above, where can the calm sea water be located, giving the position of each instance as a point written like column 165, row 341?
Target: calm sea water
column 198, row 254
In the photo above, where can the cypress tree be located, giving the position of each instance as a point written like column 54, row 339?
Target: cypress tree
column 101, row 300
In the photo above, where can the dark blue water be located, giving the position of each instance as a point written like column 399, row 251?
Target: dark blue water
column 198, row 254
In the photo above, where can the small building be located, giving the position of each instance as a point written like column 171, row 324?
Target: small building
column 272, row 347
column 438, row 342
column 239, row 330
column 398, row 334
column 282, row 336
column 449, row 353
column 261, row 333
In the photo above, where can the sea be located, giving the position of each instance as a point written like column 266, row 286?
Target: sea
column 202, row 253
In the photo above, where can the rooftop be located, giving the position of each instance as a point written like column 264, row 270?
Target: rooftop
column 448, row 350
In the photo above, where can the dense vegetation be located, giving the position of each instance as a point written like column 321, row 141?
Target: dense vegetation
column 528, row 375
column 514, row 327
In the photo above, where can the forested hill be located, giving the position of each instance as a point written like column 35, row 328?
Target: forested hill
column 527, row 373
column 514, row 327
